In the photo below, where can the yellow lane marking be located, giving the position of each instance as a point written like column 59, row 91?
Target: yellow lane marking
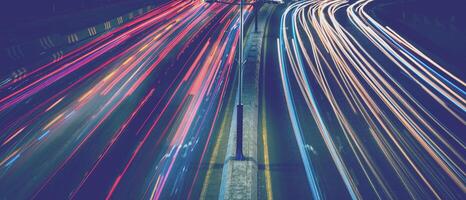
column 268, row 182
column 224, row 130
column 268, row 178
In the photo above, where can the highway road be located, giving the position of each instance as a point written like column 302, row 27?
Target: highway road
column 128, row 115
column 348, row 109
column 374, row 116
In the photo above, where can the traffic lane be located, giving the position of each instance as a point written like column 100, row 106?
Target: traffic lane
column 341, row 165
column 81, row 114
column 145, row 162
column 285, row 164
column 83, row 64
column 104, row 122
column 330, row 183
column 93, row 49
column 217, row 151
column 328, row 173
column 357, row 174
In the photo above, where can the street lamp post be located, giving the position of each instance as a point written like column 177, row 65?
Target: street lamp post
column 256, row 15
column 239, row 107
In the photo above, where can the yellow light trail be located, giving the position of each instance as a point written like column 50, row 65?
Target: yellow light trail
column 315, row 48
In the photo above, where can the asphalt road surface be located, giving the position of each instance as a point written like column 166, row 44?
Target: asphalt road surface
column 374, row 116
column 128, row 115
column 348, row 109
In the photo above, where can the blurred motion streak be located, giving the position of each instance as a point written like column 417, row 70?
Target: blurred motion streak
column 127, row 115
column 376, row 95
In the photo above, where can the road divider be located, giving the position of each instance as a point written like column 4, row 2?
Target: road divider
column 239, row 178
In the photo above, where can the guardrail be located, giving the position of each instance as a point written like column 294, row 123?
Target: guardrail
column 37, row 51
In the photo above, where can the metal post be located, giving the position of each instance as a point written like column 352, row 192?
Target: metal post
column 239, row 133
column 256, row 16
column 239, row 107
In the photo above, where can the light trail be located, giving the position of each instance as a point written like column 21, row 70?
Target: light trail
column 401, row 113
column 129, row 113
